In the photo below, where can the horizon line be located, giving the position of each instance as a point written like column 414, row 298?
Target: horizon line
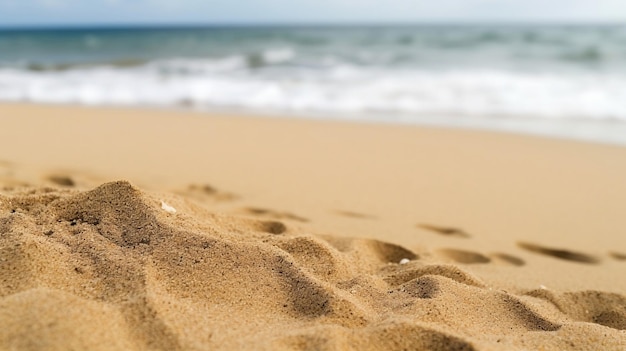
column 312, row 24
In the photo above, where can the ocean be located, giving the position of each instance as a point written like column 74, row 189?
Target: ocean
column 567, row 81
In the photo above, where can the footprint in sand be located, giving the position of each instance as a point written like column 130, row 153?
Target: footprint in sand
column 470, row 257
column 618, row 256
column 269, row 227
column 382, row 251
column 448, row 231
column 62, row 180
column 388, row 252
column 206, row 192
column 352, row 214
column 507, row 259
column 256, row 211
column 559, row 253
column 462, row 256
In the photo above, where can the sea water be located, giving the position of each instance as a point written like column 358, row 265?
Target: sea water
column 555, row 80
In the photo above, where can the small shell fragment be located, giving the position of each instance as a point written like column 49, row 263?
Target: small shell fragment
column 167, row 208
column 404, row 261
column 543, row 287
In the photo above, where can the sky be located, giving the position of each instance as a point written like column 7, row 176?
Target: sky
column 107, row 12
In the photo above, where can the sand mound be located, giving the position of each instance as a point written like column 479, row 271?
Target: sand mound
column 111, row 269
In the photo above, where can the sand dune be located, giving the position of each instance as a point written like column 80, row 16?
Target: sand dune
column 108, row 268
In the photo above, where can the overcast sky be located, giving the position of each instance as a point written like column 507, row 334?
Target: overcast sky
column 80, row 12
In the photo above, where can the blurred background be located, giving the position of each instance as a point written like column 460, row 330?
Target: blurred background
column 545, row 67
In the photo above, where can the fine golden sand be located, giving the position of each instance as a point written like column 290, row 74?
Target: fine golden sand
column 157, row 230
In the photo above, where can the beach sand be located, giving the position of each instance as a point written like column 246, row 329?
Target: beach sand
column 161, row 230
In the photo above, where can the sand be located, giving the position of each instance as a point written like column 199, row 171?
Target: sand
column 163, row 230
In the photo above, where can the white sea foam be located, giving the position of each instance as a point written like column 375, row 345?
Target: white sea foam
column 339, row 88
column 278, row 55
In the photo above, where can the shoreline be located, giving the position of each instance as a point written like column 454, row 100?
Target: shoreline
column 604, row 132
